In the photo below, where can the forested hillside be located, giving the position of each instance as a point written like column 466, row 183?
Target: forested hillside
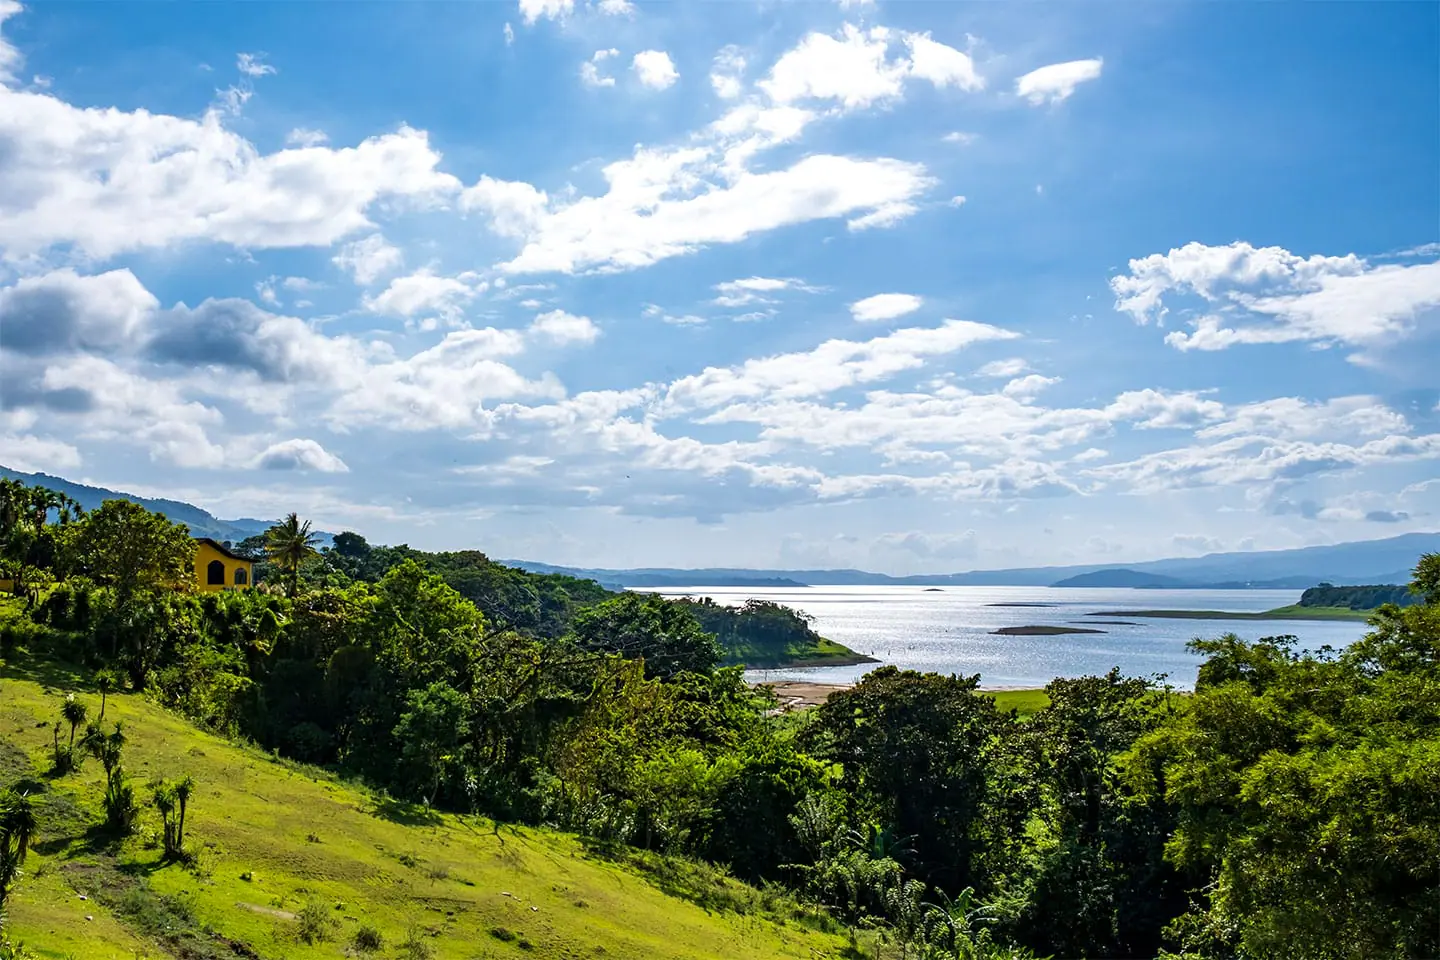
column 1357, row 598
column 1289, row 808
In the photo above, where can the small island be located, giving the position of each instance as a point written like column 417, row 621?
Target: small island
column 1295, row 612
column 1021, row 603
column 764, row 635
column 1040, row 630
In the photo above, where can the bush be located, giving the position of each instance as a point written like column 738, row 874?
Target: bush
column 367, row 940
column 415, row 948
column 313, row 923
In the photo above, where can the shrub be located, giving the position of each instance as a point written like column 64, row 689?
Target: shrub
column 367, row 940
column 414, row 947
column 313, row 923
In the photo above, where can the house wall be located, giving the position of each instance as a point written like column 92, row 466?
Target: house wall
column 205, row 555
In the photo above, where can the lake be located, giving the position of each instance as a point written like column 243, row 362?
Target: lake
column 949, row 631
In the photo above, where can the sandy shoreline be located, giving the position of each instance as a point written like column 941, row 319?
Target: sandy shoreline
column 794, row 694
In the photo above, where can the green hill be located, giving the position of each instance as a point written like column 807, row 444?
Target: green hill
column 278, row 842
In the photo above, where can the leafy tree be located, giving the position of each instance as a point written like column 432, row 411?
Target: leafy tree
column 120, row 807
column 288, row 544
column 432, row 733
column 931, row 759
column 646, row 626
column 1307, row 792
column 121, row 544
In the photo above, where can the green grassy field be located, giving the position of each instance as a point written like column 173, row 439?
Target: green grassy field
column 1028, row 702
column 276, row 842
column 822, row 653
column 1279, row 613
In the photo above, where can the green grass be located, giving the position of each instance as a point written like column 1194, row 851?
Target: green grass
column 821, row 653
column 274, row 840
column 1293, row 612
column 1028, row 702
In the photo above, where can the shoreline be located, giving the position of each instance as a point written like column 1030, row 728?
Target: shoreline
column 1279, row 613
column 797, row 694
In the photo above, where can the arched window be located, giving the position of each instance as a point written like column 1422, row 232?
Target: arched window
column 215, row 573
column 241, row 577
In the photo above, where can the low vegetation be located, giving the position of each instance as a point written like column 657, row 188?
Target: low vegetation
column 331, row 763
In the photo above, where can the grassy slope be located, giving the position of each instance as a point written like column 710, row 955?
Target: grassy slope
column 822, row 653
column 1028, row 702
column 394, row 867
column 1279, row 613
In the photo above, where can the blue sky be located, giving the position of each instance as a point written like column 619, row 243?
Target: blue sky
column 910, row 287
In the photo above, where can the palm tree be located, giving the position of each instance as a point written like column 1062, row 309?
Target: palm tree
column 74, row 713
column 288, row 544
column 17, row 829
column 105, row 681
column 183, row 789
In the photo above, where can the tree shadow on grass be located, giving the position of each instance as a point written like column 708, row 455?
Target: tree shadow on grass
column 405, row 813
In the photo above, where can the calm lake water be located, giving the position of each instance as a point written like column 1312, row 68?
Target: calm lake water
column 949, row 631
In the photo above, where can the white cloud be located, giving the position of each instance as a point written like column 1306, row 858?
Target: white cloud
column 253, row 65
column 61, row 312
column 107, row 181
column 748, row 290
column 590, row 73
column 1270, row 295
column 1003, row 369
column 1155, row 409
column 532, row 10
column 727, row 72
column 617, row 8
column 515, row 208
column 1058, row 81
column 641, row 221
column 654, row 311
column 957, row 201
column 654, row 69
column 423, row 292
column 298, row 454
column 960, row 137
column 885, row 306
column 854, row 67
column 10, row 58
column 1028, row 387
column 306, row 137
column 833, row 365
column 509, row 33
column 941, row 65
column 562, row 328
column 1197, row 543
column 31, row 454
column 369, row 259
column 883, row 216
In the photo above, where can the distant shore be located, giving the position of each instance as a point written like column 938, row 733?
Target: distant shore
column 1279, row 613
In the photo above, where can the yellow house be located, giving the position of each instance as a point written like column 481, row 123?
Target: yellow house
column 218, row 568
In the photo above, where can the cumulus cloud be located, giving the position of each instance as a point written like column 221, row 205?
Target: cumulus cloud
column 562, row 328
column 748, row 290
column 515, row 208
column 1387, row 516
column 590, row 73
column 854, row 68
column 63, row 311
column 107, row 181
column 654, row 69
column 32, row 454
column 727, row 73
column 1012, row 367
column 1057, row 81
column 10, row 58
column 884, row 306
column 369, row 259
column 424, row 292
column 532, row 10
column 1151, row 409
column 298, row 454
column 1197, row 543
column 1250, row 295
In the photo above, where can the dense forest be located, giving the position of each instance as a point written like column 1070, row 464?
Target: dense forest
column 1288, row 808
column 1357, row 598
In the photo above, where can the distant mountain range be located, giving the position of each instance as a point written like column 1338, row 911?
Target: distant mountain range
column 201, row 522
column 1387, row 561
column 1343, row 564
